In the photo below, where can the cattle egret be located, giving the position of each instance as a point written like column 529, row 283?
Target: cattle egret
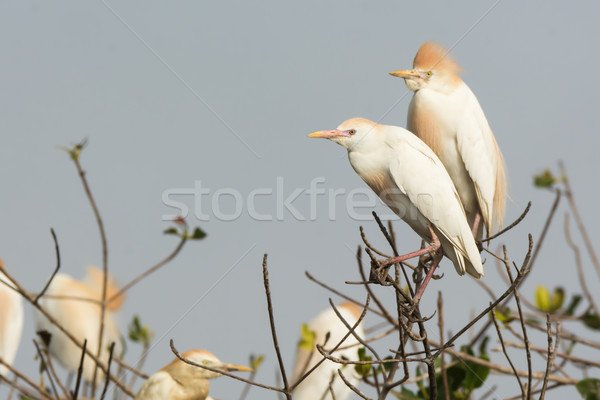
column 316, row 385
column 11, row 322
column 75, row 305
column 412, row 181
column 181, row 381
column 446, row 115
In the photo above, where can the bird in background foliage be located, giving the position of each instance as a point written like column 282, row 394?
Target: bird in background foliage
column 181, row 381
column 410, row 179
column 446, row 115
column 316, row 385
column 11, row 321
column 76, row 306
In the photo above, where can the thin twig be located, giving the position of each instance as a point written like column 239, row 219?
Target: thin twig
column 550, row 358
column 546, row 226
column 326, row 353
column 369, row 245
column 578, row 219
column 442, row 355
column 103, row 240
column 57, row 251
column 370, row 292
column 523, row 328
column 220, row 372
column 48, row 373
column 351, row 386
column 508, row 228
column 519, row 278
column 338, row 293
column 248, row 386
column 107, row 380
column 286, row 387
column 512, row 366
column 22, row 389
column 149, row 271
column 580, row 275
column 79, row 371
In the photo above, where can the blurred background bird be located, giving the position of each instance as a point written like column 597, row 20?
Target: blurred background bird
column 76, row 306
column 11, row 321
column 446, row 115
column 180, row 381
column 316, row 385
column 412, row 181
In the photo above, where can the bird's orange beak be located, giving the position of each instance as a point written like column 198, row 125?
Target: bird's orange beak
column 406, row 74
column 328, row 134
column 233, row 367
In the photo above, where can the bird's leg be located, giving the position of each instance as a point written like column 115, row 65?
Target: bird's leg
column 475, row 228
column 436, row 260
column 433, row 246
column 476, row 224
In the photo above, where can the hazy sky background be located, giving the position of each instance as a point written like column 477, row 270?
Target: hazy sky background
column 225, row 93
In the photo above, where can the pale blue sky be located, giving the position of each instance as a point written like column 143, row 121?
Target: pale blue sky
column 225, row 93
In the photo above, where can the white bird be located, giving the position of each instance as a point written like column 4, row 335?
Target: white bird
column 446, row 115
column 181, row 381
column 316, row 385
column 75, row 305
column 412, row 181
column 11, row 321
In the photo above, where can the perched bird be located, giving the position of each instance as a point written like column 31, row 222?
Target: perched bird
column 180, row 381
column 446, row 115
column 11, row 321
column 316, row 385
column 412, row 181
column 75, row 305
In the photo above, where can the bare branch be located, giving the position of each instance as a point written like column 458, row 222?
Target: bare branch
column 578, row 219
column 237, row 378
column 149, row 271
column 286, row 388
column 57, row 250
column 508, row 228
column 512, row 366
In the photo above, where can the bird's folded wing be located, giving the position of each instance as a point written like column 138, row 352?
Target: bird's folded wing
column 421, row 175
column 479, row 152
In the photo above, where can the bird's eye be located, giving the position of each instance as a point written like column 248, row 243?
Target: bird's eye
column 352, row 131
column 428, row 74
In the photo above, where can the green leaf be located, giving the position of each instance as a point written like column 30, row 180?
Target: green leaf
column 591, row 320
column 386, row 366
column 503, row 315
column 75, row 151
column 475, row 374
column 307, row 338
column 483, row 345
column 589, row 388
column 198, row 234
column 545, row 179
column 557, row 299
column 171, row 231
column 406, row 394
column 363, row 369
column 575, row 300
column 542, row 298
column 256, row 361
column 139, row 333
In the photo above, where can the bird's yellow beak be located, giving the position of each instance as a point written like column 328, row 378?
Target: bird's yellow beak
column 406, row 74
column 328, row 134
column 233, row 367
